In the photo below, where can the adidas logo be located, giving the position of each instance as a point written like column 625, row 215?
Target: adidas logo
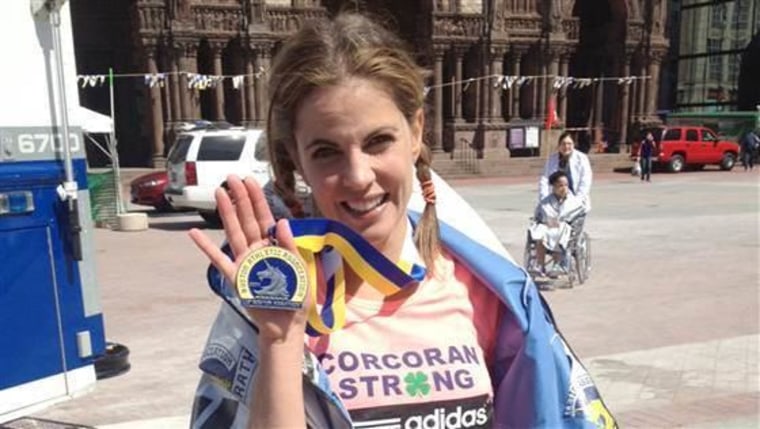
column 456, row 419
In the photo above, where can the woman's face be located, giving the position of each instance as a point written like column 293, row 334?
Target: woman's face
column 356, row 151
column 560, row 187
column 565, row 146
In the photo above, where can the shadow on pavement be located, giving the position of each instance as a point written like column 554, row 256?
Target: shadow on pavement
column 178, row 225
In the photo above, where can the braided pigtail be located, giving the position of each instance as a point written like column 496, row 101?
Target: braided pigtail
column 285, row 181
column 426, row 235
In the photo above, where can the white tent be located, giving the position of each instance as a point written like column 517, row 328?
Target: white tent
column 90, row 120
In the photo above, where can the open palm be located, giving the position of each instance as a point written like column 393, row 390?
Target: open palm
column 247, row 218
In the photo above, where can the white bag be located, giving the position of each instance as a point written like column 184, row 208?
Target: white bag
column 636, row 170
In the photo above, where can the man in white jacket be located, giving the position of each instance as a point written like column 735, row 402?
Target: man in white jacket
column 575, row 164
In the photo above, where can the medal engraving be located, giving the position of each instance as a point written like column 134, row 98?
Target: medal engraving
column 273, row 278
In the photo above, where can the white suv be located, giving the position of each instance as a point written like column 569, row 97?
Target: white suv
column 200, row 161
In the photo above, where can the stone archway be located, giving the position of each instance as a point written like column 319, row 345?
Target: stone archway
column 206, row 66
column 593, row 110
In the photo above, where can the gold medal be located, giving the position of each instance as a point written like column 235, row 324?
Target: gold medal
column 273, row 278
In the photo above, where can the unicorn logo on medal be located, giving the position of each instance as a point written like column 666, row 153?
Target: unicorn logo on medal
column 273, row 283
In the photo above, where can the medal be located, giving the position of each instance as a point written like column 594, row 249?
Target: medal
column 272, row 278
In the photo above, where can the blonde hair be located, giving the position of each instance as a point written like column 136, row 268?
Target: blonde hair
column 323, row 54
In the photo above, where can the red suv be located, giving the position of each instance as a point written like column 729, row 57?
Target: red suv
column 678, row 146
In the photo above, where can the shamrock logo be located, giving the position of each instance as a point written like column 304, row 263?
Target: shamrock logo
column 417, row 384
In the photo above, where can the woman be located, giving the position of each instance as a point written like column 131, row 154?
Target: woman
column 573, row 162
column 468, row 345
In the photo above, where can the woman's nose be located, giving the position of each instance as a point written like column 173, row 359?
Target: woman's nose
column 358, row 172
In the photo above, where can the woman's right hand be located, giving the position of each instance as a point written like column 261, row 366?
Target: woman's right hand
column 247, row 218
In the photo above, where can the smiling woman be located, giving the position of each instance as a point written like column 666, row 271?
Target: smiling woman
column 357, row 158
column 407, row 319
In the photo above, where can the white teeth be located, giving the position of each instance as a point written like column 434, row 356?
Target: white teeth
column 366, row 205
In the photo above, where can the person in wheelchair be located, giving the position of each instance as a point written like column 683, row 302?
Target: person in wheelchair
column 555, row 217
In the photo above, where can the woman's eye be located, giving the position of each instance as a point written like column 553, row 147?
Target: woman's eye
column 379, row 142
column 323, row 152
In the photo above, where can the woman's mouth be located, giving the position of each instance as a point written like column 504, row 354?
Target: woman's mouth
column 365, row 206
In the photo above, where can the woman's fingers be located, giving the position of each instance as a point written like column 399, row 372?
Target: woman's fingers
column 244, row 209
column 235, row 236
column 285, row 236
column 213, row 252
column 260, row 205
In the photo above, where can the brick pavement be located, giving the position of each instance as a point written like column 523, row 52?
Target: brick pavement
column 683, row 385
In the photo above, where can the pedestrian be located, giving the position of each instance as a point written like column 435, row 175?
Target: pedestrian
column 575, row 164
column 647, row 149
column 405, row 320
column 749, row 148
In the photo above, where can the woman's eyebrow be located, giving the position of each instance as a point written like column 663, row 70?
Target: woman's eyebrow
column 381, row 130
column 321, row 141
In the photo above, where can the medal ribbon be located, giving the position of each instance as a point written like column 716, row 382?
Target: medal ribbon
column 317, row 240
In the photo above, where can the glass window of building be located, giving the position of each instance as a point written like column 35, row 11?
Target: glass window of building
column 713, row 37
column 718, row 16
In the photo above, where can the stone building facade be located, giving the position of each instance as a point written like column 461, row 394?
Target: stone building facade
column 467, row 44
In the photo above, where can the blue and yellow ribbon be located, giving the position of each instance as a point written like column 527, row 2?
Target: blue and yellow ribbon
column 316, row 239
column 327, row 246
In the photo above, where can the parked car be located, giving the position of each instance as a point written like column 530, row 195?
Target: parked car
column 148, row 190
column 200, row 161
column 679, row 146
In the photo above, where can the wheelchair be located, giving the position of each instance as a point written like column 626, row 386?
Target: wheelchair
column 575, row 259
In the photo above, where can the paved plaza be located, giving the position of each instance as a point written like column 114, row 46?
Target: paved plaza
column 667, row 324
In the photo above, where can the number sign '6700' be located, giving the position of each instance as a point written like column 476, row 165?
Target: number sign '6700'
column 46, row 142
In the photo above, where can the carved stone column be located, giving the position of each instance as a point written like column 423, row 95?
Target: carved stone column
column 250, row 94
column 266, row 65
column 175, row 85
column 598, row 110
column 497, row 68
column 653, row 84
column 156, row 110
column 258, row 84
column 542, row 85
column 625, row 95
column 191, row 65
column 459, row 52
column 534, row 95
column 641, row 94
column 216, row 50
column 187, row 64
column 562, row 95
column 517, row 55
column 435, row 145
column 552, row 57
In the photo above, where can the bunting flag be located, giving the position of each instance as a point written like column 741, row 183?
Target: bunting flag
column 237, row 81
column 467, row 84
column 155, row 79
column 202, row 81
column 522, row 80
column 91, row 80
column 581, row 83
